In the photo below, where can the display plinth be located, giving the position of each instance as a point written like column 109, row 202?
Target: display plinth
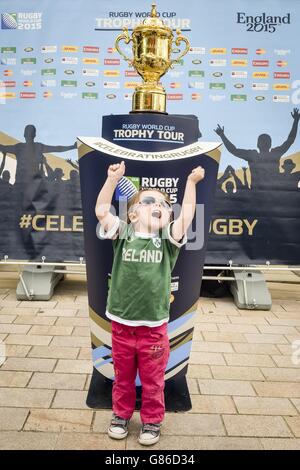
column 159, row 151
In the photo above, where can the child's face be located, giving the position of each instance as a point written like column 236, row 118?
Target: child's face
column 152, row 211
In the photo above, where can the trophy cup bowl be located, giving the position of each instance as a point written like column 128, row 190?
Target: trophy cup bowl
column 152, row 44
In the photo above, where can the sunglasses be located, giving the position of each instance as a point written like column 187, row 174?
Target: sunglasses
column 149, row 200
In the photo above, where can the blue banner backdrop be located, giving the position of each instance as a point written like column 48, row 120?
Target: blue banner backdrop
column 60, row 73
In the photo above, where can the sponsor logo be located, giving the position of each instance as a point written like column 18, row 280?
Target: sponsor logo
column 111, row 96
column 260, row 74
column 68, row 83
column 91, row 49
column 217, row 86
column 127, row 96
column 198, row 85
column 48, row 49
column 196, row 96
column 197, row 50
column 28, row 94
column 281, row 63
column 239, row 85
column 89, row 96
column 282, row 75
column 262, row 22
column 217, row 74
column 174, row 96
column 28, row 72
column 239, row 74
column 238, row 97
column 48, row 83
column 174, row 286
column 27, row 83
column 196, row 61
column 69, row 72
column 90, row 72
column 239, row 50
column 131, row 84
column 178, row 62
column 217, row 62
column 111, row 73
column 111, row 85
column 28, row 60
column 281, row 98
column 175, row 73
column 175, row 85
column 27, row 21
column 69, row 48
column 9, row 61
column 48, row 72
column 7, row 95
column 90, row 84
column 111, row 61
column 28, row 49
column 47, row 94
column 240, row 63
column 260, row 98
column 217, row 98
column 260, row 63
column 196, row 73
column 90, row 60
column 7, row 84
column 282, row 51
column 8, row 50
column 49, row 60
column 68, row 95
column 218, row 50
column 131, row 73
column 281, row 86
column 69, row 60
column 260, row 51
column 8, row 73
column 260, row 86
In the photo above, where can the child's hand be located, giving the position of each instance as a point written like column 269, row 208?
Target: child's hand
column 116, row 171
column 197, row 174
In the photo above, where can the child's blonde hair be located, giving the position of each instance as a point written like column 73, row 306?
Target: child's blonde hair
column 136, row 197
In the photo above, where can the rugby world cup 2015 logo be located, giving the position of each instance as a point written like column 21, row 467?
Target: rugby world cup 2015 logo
column 9, row 20
column 26, row 21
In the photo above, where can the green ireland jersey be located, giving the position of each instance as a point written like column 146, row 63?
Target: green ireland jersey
column 140, row 287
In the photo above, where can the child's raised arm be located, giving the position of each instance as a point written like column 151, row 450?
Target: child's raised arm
column 182, row 223
column 103, row 204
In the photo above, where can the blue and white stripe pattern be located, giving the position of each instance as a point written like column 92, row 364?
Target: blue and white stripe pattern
column 8, row 21
column 125, row 189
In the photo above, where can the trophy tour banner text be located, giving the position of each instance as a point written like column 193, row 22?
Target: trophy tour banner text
column 60, row 73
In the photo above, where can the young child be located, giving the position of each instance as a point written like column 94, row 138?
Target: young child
column 145, row 252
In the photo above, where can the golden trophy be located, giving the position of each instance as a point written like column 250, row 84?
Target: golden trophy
column 152, row 47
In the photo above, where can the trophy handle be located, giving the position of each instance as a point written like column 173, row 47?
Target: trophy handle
column 180, row 38
column 123, row 37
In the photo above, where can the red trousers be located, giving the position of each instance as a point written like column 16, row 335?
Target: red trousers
column 144, row 350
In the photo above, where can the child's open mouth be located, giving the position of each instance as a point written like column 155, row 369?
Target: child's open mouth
column 156, row 213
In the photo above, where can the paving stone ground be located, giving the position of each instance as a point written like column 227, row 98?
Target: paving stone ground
column 244, row 374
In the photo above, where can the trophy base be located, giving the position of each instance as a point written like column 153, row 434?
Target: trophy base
column 149, row 101
column 147, row 111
